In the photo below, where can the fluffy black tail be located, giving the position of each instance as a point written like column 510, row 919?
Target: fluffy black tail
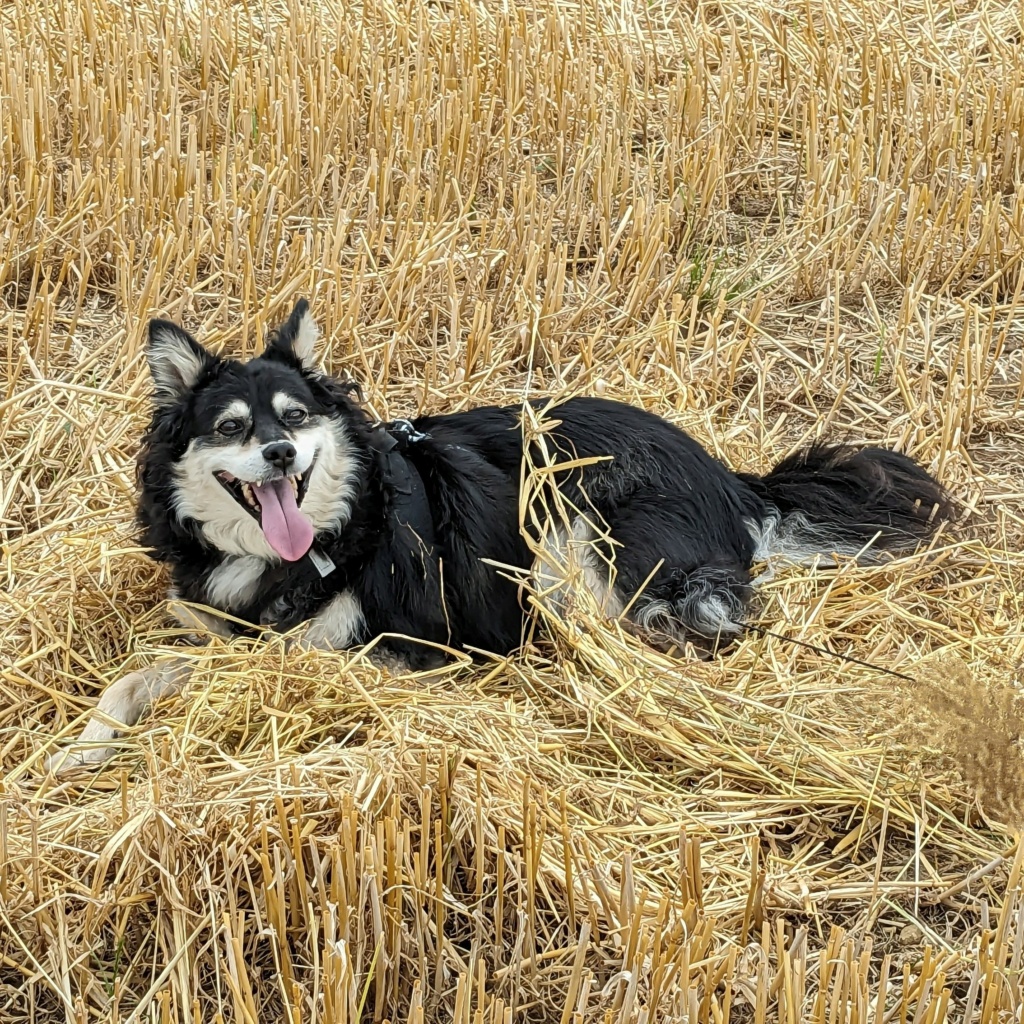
column 835, row 499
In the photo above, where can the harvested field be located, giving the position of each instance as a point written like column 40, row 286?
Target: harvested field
column 767, row 222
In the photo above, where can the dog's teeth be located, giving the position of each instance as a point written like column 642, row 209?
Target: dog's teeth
column 294, row 481
column 248, row 495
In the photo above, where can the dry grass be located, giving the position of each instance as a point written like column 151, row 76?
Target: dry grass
column 762, row 221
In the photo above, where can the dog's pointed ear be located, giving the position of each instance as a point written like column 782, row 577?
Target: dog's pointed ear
column 295, row 340
column 176, row 360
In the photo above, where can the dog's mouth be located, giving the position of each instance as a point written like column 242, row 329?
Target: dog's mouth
column 245, row 494
column 275, row 505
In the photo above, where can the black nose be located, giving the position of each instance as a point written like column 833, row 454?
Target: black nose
column 280, row 453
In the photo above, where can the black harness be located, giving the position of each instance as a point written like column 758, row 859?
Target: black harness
column 410, row 507
column 410, row 510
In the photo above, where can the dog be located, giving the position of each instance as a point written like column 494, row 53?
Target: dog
column 276, row 500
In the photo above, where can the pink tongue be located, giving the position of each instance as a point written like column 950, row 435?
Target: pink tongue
column 288, row 531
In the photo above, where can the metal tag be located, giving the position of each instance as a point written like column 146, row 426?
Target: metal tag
column 323, row 564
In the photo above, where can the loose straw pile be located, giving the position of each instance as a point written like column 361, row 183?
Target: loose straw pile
column 764, row 222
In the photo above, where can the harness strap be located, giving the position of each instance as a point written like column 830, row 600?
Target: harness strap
column 391, row 441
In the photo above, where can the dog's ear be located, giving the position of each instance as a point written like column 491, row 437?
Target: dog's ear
column 295, row 340
column 176, row 360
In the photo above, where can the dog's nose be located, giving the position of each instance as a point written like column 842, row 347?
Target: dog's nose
column 280, row 454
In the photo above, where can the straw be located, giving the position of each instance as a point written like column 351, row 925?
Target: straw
column 766, row 223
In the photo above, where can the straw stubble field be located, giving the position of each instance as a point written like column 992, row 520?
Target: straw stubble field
column 766, row 222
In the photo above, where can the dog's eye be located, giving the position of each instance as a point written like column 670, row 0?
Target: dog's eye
column 293, row 417
column 229, row 427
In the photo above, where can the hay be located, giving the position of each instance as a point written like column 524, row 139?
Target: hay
column 764, row 222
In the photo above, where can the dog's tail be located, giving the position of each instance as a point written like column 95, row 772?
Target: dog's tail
column 837, row 500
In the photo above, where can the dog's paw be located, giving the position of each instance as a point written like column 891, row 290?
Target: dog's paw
column 121, row 705
column 68, row 759
column 91, row 748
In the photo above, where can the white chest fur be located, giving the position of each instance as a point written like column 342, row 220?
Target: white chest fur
column 233, row 583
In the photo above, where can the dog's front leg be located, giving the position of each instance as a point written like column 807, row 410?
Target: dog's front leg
column 336, row 626
column 122, row 704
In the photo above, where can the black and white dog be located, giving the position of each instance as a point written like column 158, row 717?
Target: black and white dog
column 276, row 501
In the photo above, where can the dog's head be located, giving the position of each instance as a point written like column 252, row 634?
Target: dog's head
column 258, row 455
